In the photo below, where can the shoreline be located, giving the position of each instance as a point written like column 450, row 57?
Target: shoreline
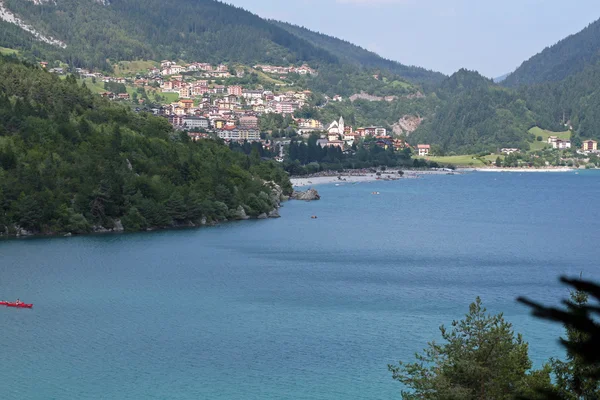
column 558, row 169
column 390, row 175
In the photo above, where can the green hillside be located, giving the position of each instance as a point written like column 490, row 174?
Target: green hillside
column 476, row 115
column 566, row 58
column 356, row 55
column 70, row 160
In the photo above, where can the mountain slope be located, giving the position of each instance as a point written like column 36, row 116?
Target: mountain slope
column 356, row 55
column 153, row 29
column 70, row 160
column 565, row 58
column 476, row 115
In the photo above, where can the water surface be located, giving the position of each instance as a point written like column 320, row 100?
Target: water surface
column 292, row 308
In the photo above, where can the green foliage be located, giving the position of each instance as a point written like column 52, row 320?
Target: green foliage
column 481, row 358
column 564, row 59
column 152, row 30
column 579, row 376
column 70, row 160
column 476, row 116
column 356, row 55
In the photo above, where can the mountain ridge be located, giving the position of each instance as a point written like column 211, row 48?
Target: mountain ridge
column 561, row 60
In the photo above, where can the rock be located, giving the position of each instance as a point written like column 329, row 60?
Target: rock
column 118, row 226
column 276, row 195
column 203, row 221
column 22, row 232
column 274, row 214
column 240, row 214
column 309, row 195
column 263, row 216
column 69, row 234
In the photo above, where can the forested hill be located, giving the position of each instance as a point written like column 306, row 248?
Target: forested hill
column 70, row 160
column 476, row 115
column 350, row 53
column 190, row 30
column 203, row 30
column 567, row 57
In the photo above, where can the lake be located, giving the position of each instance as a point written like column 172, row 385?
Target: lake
column 293, row 308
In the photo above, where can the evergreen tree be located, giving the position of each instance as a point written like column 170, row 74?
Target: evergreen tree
column 481, row 358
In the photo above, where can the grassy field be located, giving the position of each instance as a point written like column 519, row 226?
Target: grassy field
column 545, row 135
column 466, row 161
column 97, row 87
column 127, row 68
column 5, row 51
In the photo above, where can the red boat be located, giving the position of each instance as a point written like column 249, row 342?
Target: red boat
column 19, row 304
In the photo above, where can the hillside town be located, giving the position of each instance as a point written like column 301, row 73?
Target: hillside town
column 205, row 107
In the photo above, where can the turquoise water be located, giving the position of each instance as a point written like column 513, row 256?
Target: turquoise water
column 292, row 308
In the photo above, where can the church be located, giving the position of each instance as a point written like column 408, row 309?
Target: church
column 336, row 129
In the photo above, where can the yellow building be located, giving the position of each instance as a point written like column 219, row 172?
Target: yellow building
column 590, row 145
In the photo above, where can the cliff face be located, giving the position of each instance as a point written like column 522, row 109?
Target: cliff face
column 9, row 16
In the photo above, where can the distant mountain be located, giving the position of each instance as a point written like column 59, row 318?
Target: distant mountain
column 565, row 58
column 501, row 78
column 351, row 53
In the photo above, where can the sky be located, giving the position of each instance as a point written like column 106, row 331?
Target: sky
column 490, row 36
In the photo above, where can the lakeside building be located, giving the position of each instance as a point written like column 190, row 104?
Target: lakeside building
column 561, row 144
column 590, row 145
column 509, row 151
column 424, row 149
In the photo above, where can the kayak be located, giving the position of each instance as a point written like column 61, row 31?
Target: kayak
column 14, row 304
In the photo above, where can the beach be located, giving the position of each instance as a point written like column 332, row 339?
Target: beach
column 358, row 178
column 558, row 169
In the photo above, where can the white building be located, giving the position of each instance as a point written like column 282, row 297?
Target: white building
column 423, row 149
column 195, row 123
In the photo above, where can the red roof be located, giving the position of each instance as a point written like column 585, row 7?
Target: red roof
column 424, row 146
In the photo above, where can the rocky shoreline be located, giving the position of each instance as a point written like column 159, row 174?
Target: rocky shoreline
column 239, row 214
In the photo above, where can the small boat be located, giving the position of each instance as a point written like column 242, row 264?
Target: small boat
column 314, row 217
column 15, row 304
column 375, row 193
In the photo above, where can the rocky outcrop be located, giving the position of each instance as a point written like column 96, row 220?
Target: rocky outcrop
column 407, row 124
column 239, row 214
column 309, row 195
column 118, row 226
column 8, row 16
column 276, row 194
column 262, row 216
column 370, row 97
column 274, row 214
column 20, row 232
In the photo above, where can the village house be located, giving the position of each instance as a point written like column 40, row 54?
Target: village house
column 186, row 104
column 285, row 107
column 336, row 143
column 123, row 96
column 251, row 94
column 195, row 122
column 249, row 122
column 590, row 145
column 233, row 133
column 218, row 89
column 235, row 90
column 423, row 149
column 561, row 144
column 509, row 151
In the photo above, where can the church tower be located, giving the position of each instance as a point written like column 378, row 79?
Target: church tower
column 341, row 126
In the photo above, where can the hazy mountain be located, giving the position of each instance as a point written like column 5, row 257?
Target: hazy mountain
column 565, row 58
column 351, row 53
